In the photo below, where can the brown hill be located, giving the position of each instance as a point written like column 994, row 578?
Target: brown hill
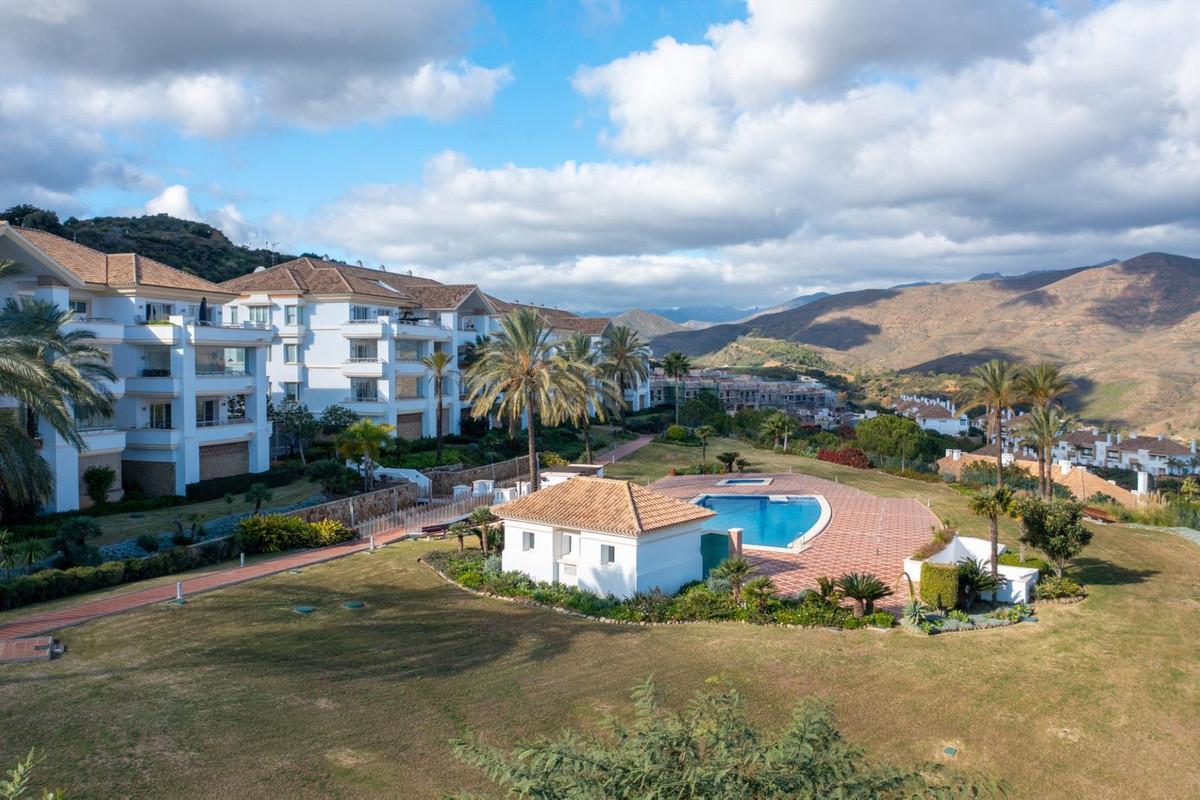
column 648, row 324
column 1126, row 331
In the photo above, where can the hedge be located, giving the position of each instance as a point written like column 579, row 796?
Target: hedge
column 50, row 584
column 271, row 533
column 939, row 584
column 1011, row 559
column 216, row 488
column 846, row 456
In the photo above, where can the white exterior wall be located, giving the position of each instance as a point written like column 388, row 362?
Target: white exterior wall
column 537, row 563
column 955, row 426
column 115, row 317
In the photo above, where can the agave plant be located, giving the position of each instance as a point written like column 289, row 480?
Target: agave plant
column 974, row 580
column 864, row 589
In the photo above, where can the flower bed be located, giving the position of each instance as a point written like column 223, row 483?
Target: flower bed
column 930, row 623
column 710, row 601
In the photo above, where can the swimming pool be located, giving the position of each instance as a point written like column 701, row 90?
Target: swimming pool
column 782, row 521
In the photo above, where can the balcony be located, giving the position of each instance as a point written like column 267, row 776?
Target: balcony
column 419, row 329
column 153, row 438
column 103, row 439
column 154, row 383
column 245, row 334
column 366, row 405
column 229, row 430
column 410, row 404
column 365, row 328
column 363, row 367
column 105, row 330
column 224, row 382
column 153, row 332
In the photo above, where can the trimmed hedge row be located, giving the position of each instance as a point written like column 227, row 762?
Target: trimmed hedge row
column 939, row 585
column 51, row 584
column 272, row 533
column 216, row 488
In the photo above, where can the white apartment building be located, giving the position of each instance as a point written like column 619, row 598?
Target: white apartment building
column 191, row 389
column 355, row 337
column 806, row 398
column 934, row 414
column 1156, row 455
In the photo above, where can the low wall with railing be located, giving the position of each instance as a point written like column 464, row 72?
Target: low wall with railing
column 443, row 482
column 350, row 511
column 412, row 520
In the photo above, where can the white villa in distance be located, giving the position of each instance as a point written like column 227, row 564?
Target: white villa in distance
column 604, row 536
column 933, row 414
column 191, row 391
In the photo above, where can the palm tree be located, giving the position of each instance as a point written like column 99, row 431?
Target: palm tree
column 676, row 365
column 1042, row 384
column 460, row 529
column 52, row 374
column 602, row 392
column 437, row 367
column 864, row 589
column 702, row 433
column 1044, row 425
column 520, row 375
column 735, row 570
column 257, row 494
column 993, row 504
column 758, row 591
column 779, row 425
column 993, row 387
column 363, row 440
column 728, row 459
column 8, row 551
column 483, row 519
column 626, row 359
column 30, row 551
column 974, row 580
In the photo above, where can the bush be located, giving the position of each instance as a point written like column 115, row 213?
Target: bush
column 846, row 456
column 939, row 584
column 941, row 538
column 1052, row 588
column 98, row 481
column 148, row 542
column 552, row 460
column 216, row 488
column 334, row 476
column 272, row 533
column 1011, row 559
column 880, row 619
column 676, row 433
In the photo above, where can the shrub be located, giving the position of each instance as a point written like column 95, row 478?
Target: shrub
column 703, row 603
column 1053, row 588
column 98, row 481
column 271, row 533
column 846, row 456
column 552, row 460
column 961, row 616
column 676, row 433
column 1011, row 559
column 880, row 619
column 939, row 584
column 941, row 538
column 148, row 542
column 329, row 531
column 334, row 476
column 216, row 488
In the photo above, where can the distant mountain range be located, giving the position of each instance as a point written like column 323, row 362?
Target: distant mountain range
column 1126, row 331
column 657, row 321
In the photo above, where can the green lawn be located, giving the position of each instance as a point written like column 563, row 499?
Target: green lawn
column 117, row 527
column 236, row 695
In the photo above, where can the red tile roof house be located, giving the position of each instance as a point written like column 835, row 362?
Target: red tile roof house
column 933, row 414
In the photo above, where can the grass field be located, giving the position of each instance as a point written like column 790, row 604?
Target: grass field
column 236, row 695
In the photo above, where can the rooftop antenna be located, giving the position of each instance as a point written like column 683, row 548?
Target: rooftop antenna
column 271, row 247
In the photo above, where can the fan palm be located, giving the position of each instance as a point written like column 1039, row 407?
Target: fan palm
column 758, row 591
column 993, row 387
column 993, row 504
column 626, row 358
column 1042, row 384
column 363, row 440
column 1043, row 426
column 520, row 375
column 974, row 580
column 602, row 393
column 49, row 372
column 702, row 433
column 438, row 367
column 483, row 519
column 779, row 425
column 735, row 570
column 675, row 366
column 864, row 589
column 258, row 493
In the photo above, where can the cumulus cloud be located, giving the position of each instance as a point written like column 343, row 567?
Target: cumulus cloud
column 175, row 201
column 832, row 145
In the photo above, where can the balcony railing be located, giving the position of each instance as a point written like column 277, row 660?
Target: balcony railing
column 234, row 373
column 156, row 373
column 153, row 426
column 214, row 423
column 362, row 360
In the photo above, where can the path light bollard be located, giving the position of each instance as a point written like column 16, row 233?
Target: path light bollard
column 243, row 560
column 372, row 543
column 735, row 541
column 178, row 591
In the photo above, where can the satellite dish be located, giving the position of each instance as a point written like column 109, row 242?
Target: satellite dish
column 260, row 269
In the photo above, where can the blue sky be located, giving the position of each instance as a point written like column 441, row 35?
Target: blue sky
column 616, row 153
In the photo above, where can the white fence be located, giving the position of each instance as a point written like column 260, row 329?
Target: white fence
column 411, row 520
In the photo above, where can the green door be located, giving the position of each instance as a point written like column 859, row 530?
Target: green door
column 714, row 548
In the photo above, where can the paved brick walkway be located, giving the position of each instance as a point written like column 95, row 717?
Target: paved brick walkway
column 865, row 533
column 625, row 449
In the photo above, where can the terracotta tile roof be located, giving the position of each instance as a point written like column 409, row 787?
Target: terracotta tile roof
column 1081, row 438
column 442, row 297
column 1155, row 445
column 117, row 270
column 316, row 276
column 603, row 504
column 918, row 408
column 557, row 318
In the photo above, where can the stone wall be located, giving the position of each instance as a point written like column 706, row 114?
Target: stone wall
column 155, row 478
column 223, row 460
column 110, row 460
column 352, row 510
column 513, row 469
column 408, row 426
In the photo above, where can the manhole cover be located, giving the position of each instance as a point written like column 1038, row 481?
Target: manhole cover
column 353, row 604
column 303, row 609
column 294, row 572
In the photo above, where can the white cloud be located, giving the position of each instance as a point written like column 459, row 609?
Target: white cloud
column 175, row 201
column 802, row 148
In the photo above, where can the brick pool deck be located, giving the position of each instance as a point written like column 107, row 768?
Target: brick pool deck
column 865, row 533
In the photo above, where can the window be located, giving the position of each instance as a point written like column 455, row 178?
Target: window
column 87, row 419
column 568, row 544
column 258, row 314
column 291, row 354
column 360, row 314
column 526, row 540
column 206, row 412
column 160, row 416
column 408, row 386
column 293, row 315
column 408, row 351
column 608, row 554
column 364, row 389
column 291, row 391
column 363, row 350
column 220, row 361
column 157, row 311
column 158, row 362
column 233, row 312
column 79, row 308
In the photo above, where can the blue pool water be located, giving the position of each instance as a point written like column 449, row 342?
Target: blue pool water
column 765, row 523
column 745, row 482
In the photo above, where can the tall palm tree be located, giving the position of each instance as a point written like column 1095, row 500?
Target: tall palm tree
column 437, row 368
column 363, row 440
column 626, row 359
column 993, row 387
column 676, row 365
column 779, row 425
column 993, row 504
column 702, row 433
column 52, row 374
column 602, row 395
column 1043, row 426
column 521, row 375
column 1042, row 384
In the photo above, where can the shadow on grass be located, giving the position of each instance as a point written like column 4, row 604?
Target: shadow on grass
column 1097, row 572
